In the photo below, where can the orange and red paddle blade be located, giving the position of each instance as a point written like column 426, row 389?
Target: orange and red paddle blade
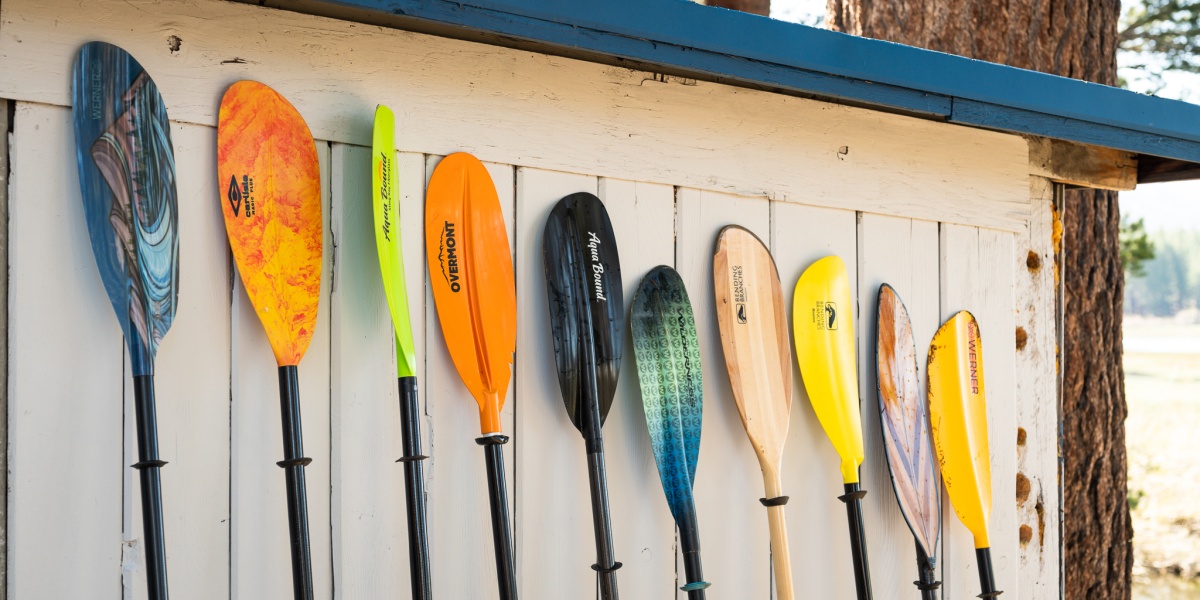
column 471, row 273
column 271, row 197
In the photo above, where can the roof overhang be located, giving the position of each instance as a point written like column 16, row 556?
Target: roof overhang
column 682, row 38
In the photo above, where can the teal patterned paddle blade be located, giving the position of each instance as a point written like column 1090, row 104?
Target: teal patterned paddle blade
column 668, row 364
column 127, row 176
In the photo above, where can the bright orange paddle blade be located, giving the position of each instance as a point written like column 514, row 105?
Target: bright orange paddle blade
column 271, row 197
column 471, row 273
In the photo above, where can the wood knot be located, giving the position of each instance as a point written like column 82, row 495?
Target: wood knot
column 1022, row 338
column 1025, row 534
column 1033, row 261
column 1022, row 488
column 1020, row 436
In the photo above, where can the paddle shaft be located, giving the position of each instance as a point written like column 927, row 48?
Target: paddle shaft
column 689, row 539
column 148, row 466
column 987, row 580
column 293, row 464
column 926, row 578
column 858, row 539
column 506, row 576
column 414, row 487
column 780, row 555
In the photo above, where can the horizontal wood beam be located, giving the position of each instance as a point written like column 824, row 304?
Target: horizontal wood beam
column 1083, row 165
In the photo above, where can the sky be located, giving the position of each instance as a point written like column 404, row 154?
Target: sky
column 1163, row 206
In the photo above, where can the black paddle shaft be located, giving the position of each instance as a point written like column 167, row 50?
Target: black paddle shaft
column 293, row 464
column 858, row 539
column 148, row 466
column 414, row 487
column 927, row 579
column 987, row 580
column 506, row 576
column 689, row 540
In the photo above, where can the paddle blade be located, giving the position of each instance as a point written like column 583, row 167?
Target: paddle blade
column 754, row 336
column 127, row 178
column 587, row 307
column 269, row 177
column 385, row 191
column 822, row 313
column 667, row 354
column 471, row 273
column 958, row 414
column 909, row 449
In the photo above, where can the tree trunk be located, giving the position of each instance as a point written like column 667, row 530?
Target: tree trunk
column 758, row 7
column 1073, row 38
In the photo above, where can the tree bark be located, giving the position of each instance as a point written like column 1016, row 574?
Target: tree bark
column 1073, row 38
column 758, row 7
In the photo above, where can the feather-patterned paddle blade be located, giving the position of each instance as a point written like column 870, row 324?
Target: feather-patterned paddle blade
column 906, row 439
column 269, row 177
column 958, row 414
column 471, row 273
column 822, row 315
column 668, row 365
column 587, row 307
column 385, row 189
column 127, row 176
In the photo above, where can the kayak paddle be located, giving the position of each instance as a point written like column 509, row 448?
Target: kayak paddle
column 587, row 318
column 267, row 168
column 754, row 336
column 958, row 413
column 906, row 440
column 471, row 273
column 127, row 179
column 386, row 196
column 669, row 374
column 822, row 315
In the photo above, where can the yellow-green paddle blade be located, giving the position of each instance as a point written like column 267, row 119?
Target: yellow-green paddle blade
column 386, row 192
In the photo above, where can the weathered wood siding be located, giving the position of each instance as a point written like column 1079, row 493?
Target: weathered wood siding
column 940, row 212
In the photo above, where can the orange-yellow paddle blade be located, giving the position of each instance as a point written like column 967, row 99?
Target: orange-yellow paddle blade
column 471, row 273
column 271, row 197
column 958, row 413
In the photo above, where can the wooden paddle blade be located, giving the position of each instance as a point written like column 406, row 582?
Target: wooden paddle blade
column 268, row 173
column 587, row 306
column 385, row 191
column 667, row 354
column 471, row 273
column 127, row 177
column 754, row 336
column 958, row 414
column 909, row 449
column 822, row 315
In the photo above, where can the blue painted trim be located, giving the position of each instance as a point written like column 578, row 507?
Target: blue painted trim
column 752, row 50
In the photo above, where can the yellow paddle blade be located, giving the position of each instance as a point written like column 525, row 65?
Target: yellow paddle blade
column 385, row 189
column 268, row 173
column 822, row 316
column 958, row 414
column 753, row 324
column 471, row 274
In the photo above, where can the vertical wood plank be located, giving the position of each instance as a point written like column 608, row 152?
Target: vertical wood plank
column 4, row 422
column 1037, row 400
column 643, row 219
column 192, row 396
column 977, row 275
column 556, row 542
column 460, row 528
column 817, row 526
column 261, row 561
column 735, row 543
column 65, row 403
column 370, row 558
column 904, row 254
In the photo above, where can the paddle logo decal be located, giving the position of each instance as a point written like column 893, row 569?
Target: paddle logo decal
column 739, row 293
column 385, row 192
column 825, row 315
column 597, row 266
column 973, row 355
column 241, row 193
column 448, row 257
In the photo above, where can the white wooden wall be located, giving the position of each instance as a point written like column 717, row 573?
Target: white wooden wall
column 940, row 212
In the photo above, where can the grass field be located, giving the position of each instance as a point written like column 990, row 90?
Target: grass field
column 1163, row 393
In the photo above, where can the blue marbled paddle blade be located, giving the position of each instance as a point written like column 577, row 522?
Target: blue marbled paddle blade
column 127, row 176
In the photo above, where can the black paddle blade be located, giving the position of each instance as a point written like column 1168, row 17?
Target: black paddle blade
column 587, row 306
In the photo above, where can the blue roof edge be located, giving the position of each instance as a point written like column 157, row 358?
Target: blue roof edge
column 753, row 50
